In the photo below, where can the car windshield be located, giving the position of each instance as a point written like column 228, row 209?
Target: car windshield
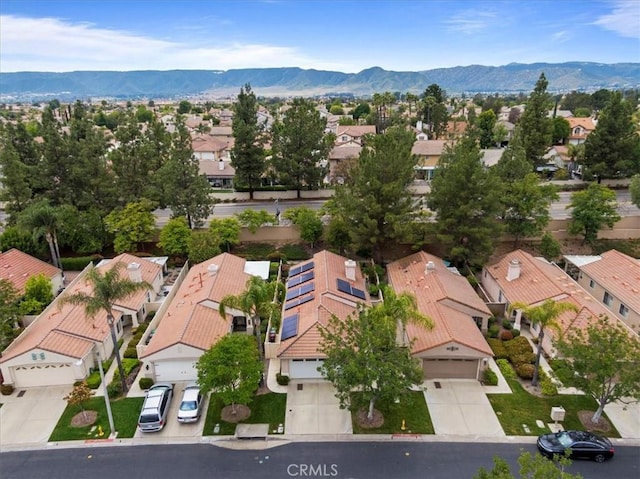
column 147, row 418
column 565, row 439
column 188, row 406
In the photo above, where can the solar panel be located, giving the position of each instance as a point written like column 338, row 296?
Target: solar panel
column 300, row 279
column 307, row 288
column 289, row 327
column 358, row 293
column 294, row 293
column 345, row 287
column 295, row 271
column 298, row 302
column 306, row 267
column 306, row 299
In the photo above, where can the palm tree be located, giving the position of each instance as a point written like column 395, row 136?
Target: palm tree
column 402, row 309
column 545, row 315
column 42, row 220
column 108, row 288
column 257, row 301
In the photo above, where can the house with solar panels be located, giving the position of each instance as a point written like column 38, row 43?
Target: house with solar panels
column 328, row 284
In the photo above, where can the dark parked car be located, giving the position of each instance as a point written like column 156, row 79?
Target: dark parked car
column 583, row 445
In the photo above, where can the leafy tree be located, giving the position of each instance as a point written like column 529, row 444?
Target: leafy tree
column 336, row 110
column 527, row 207
column 561, row 130
column 253, row 219
column 513, row 164
column 308, row 221
column 9, row 313
column 174, row 237
column 362, row 354
column 345, row 121
column 227, row 230
column 486, row 122
column 132, row 225
column 545, row 315
column 300, row 146
column 533, row 466
column 15, row 189
column 187, row 192
column 576, row 100
column 550, row 247
column 536, row 128
column 203, row 245
column 612, row 150
column 257, row 302
column 247, row 154
column 37, row 294
column 375, row 200
column 107, row 289
column 82, row 231
column 466, row 200
column 79, row 395
column 634, row 190
column 600, row 98
column 337, row 234
column 593, row 208
column 143, row 115
column 14, row 237
column 42, row 220
column 605, row 361
column 231, row 368
column 184, row 107
column 363, row 109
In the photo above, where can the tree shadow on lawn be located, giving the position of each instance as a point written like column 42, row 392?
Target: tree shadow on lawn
column 412, row 409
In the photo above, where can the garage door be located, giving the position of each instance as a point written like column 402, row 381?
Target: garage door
column 169, row 371
column 305, row 369
column 450, row 368
column 43, row 375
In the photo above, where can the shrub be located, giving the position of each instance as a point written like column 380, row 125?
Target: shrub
column 494, row 329
column 506, row 324
column 517, row 346
column 515, row 332
column 120, row 342
column 79, row 263
column 6, row 389
column 374, row 290
column 93, row 381
column 492, row 320
column 547, row 385
column 295, row 252
column 506, row 335
column 490, row 378
column 114, row 389
column 523, row 358
column 505, row 368
column 282, row 379
column 498, row 348
column 276, row 256
column 131, row 353
column 145, row 383
column 525, row 371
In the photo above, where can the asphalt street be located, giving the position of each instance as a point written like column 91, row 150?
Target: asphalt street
column 344, row 460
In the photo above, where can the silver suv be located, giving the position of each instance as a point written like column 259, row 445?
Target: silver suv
column 153, row 416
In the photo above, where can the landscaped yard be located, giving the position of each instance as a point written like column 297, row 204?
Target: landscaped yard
column 412, row 408
column 265, row 408
column 125, row 418
column 514, row 410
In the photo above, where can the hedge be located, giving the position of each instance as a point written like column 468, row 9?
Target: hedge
column 505, row 368
column 497, row 346
column 490, row 378
column 525, row 371
column 517, row 346
column 78, row 263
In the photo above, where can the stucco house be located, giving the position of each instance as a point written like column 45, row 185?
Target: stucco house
column 327, row 285
column 60, row 346
column 428, row 153
column 338, row 156
column 191, row 323
column 613, row 279
column 17, row 267
column 580, row 129
column 455, row 347
column 352, row 135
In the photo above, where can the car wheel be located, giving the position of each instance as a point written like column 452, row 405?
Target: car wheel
column 599, row 458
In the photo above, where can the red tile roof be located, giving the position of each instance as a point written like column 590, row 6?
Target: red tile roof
column 148, row 272
column 17, row 267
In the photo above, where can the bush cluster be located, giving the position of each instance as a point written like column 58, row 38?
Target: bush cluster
column 547, row 385
column 494, row 329
column 79, row 263
column 282, row 379
column 374, row 290
column 497, row 346
column 145, row 383
column 505, row 368
column 525, row 371
column 519, row 351
column 490, row 377
column 6, row 389
column 506, row 324
column 506, row 335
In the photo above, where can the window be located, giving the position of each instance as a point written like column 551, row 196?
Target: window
column 592, row 284
column 624, row 311
column 607, row 299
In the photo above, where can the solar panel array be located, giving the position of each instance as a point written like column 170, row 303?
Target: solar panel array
column 345, row 287
column 300, row 269
column 290, row 327
column 302, row 278
column 304, row 289
column 298, row 302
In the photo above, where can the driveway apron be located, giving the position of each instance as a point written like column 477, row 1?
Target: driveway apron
column 314, row 409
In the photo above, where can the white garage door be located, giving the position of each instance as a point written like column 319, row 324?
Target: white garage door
column 169, row 371
column 450, row 368
column 305, row 369
column 43, row 375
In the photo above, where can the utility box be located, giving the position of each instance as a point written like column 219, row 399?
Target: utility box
column 557, row 413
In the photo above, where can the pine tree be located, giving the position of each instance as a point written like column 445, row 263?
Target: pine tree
column 535, row 126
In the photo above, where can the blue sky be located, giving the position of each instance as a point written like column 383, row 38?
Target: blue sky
column 347, row 36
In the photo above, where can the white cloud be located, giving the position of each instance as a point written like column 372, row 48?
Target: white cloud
column 561, row 36
column 624, row 19
column 49, row 44
column 470, row 21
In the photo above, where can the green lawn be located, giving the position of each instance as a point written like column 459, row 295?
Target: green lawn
column 265, row 408
column 125, row 417
column 514, row 410
column 412, row 408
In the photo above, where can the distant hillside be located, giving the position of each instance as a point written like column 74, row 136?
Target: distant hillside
column 514, row 77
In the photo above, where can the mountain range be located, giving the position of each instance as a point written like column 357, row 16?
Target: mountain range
column 515, row 77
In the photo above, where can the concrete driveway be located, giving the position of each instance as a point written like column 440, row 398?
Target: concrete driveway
column 29, row 415
column 460, row 407
column 314, row 409
column 173, row 428
column 626, row 418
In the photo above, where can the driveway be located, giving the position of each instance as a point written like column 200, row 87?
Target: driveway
column 173, row 428
column 312, row 408
column 626, row 418
column 460, row 407
column 30, row 415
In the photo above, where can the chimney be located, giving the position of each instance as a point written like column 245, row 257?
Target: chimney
column 212, row 269
column 514, row 270
column 221, row 165
column 135, row 274
column 419, row 125
column 350, row 269
column 429, row 267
